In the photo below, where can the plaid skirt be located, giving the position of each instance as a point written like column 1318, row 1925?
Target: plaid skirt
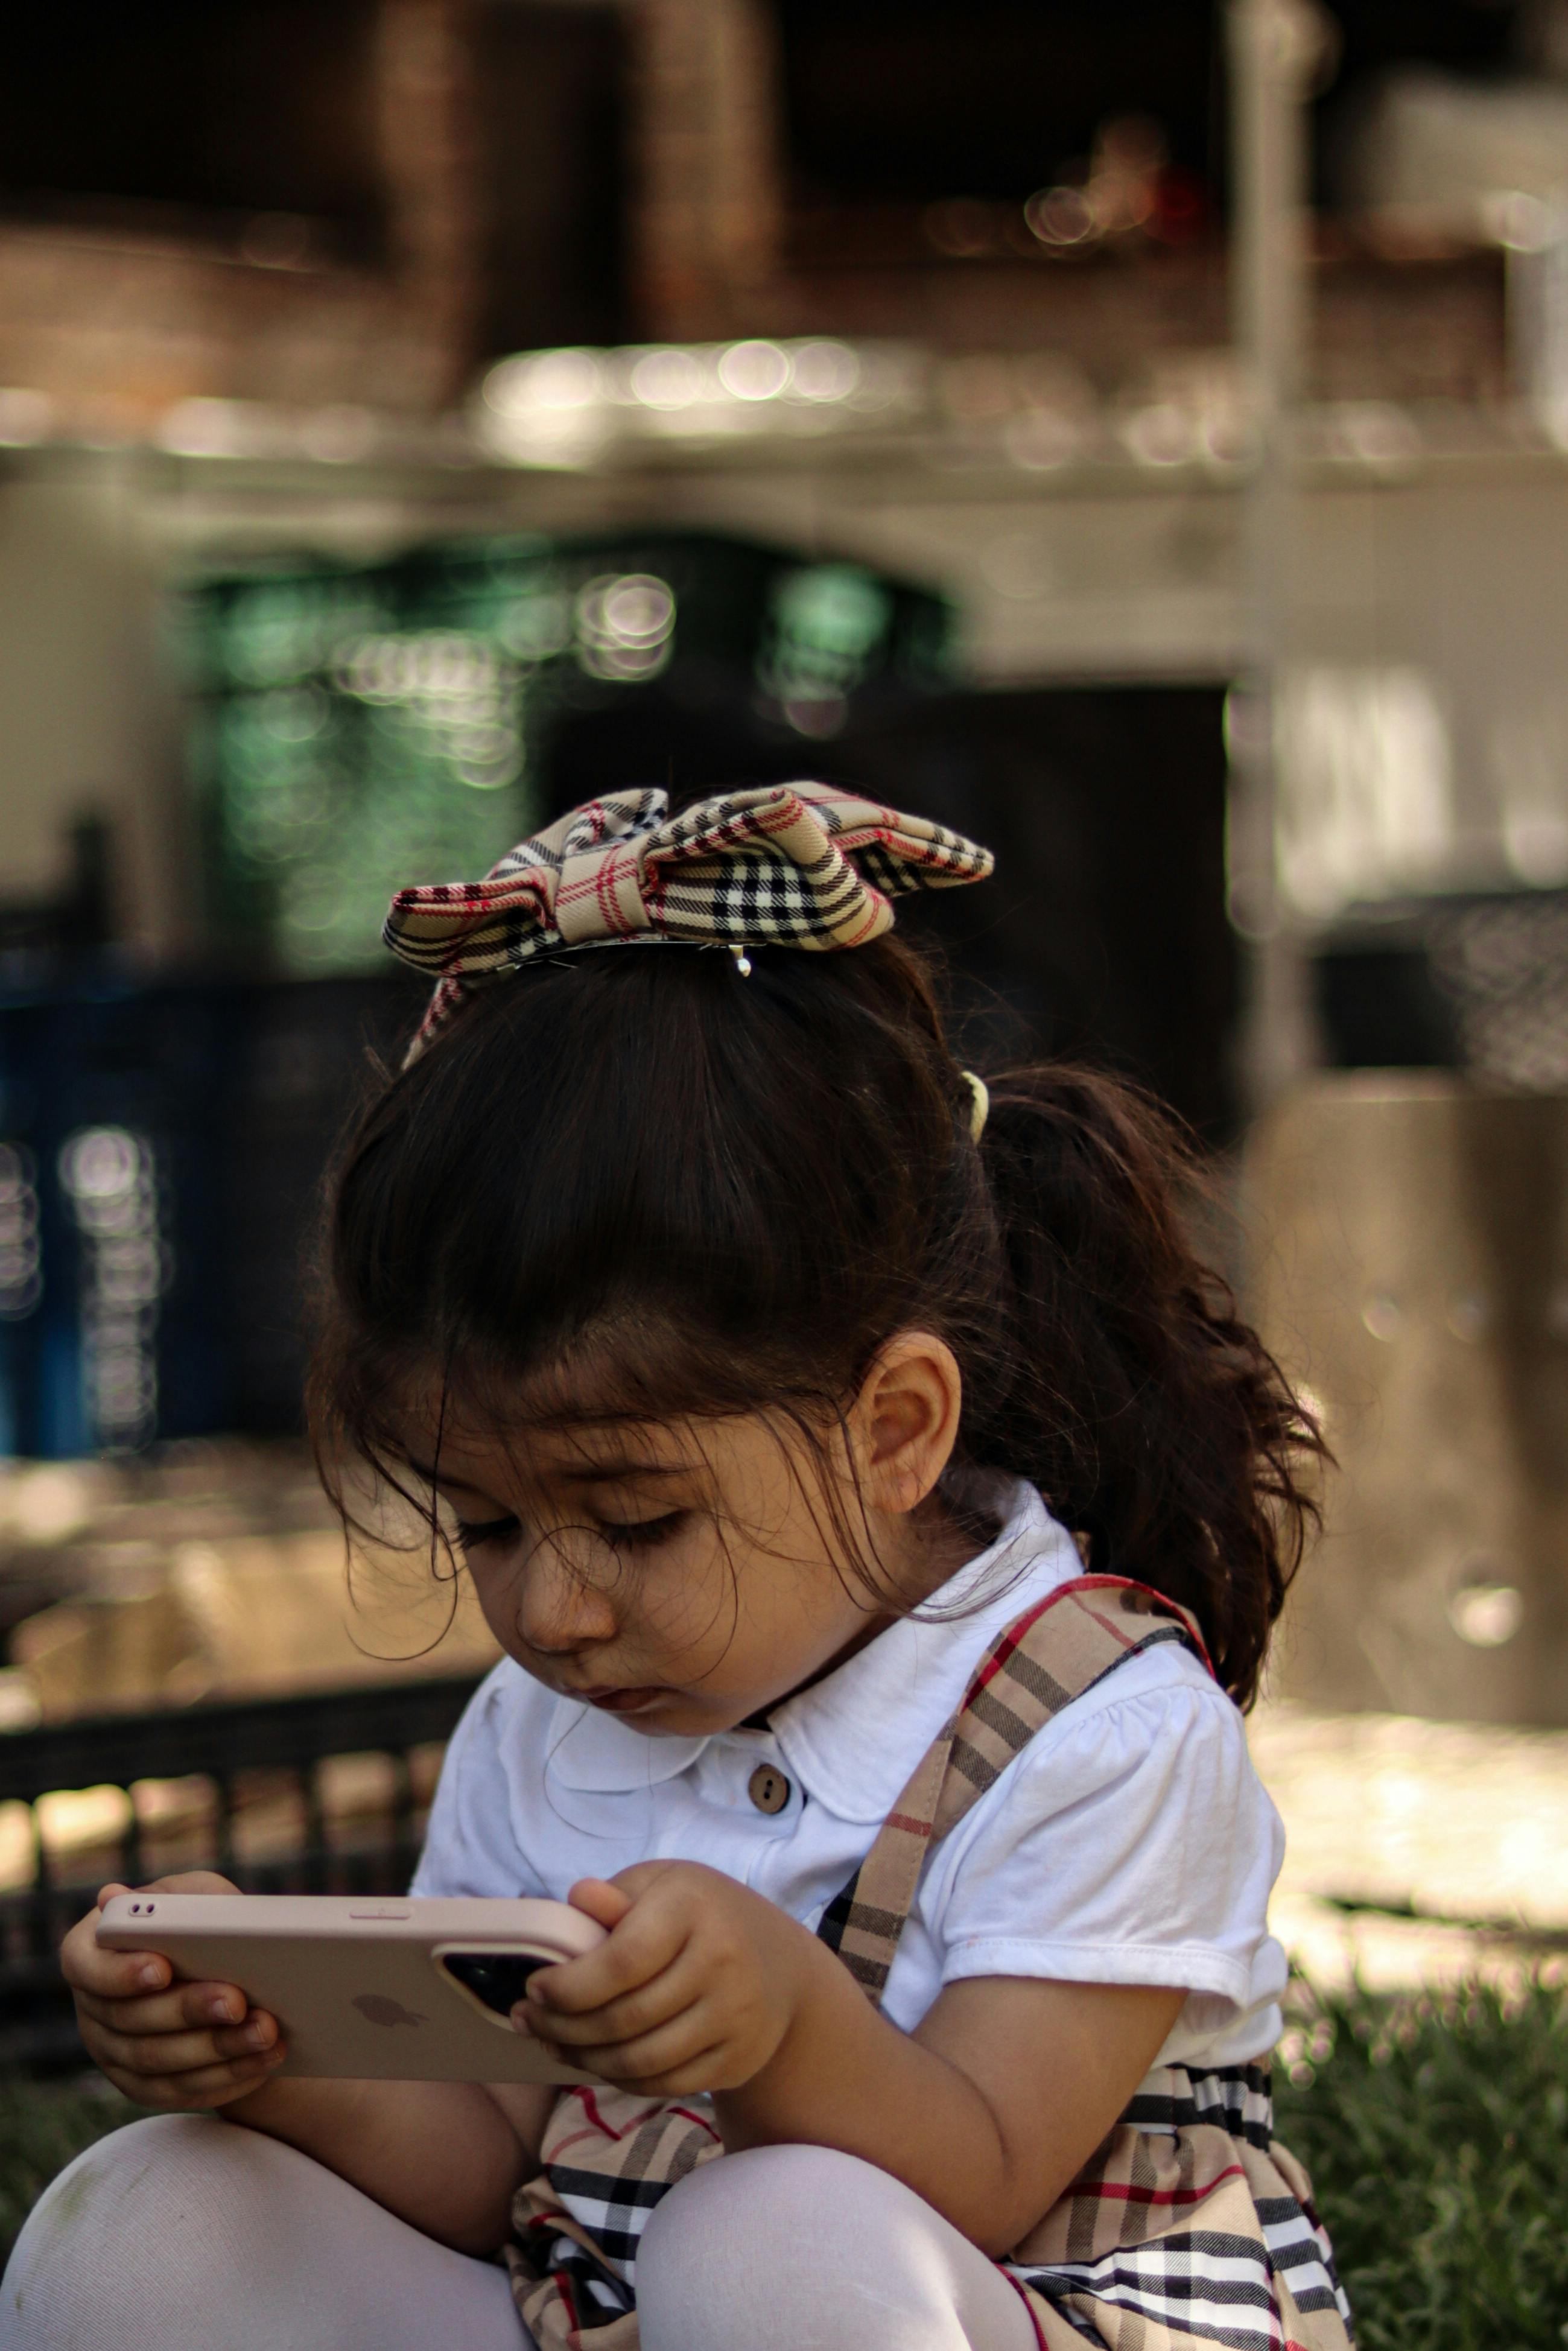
column 1190, row 2225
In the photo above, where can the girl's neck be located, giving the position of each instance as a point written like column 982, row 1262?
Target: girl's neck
column 947, row 1541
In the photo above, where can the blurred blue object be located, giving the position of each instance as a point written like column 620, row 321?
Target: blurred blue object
column 160, row 1147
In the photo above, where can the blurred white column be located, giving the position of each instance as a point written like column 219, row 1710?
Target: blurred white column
column 425, row 106
column 1534, row 232
column 1278, row 50
column 708, row 215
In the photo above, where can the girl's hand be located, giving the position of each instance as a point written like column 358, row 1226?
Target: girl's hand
column 989, row 2110
column 695, row 1988
column 168, row 2044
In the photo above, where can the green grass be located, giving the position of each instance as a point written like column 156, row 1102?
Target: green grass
column 42, row 2125
column 1436, row 2131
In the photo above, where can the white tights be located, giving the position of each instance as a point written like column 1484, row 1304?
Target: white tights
column 184, row 2233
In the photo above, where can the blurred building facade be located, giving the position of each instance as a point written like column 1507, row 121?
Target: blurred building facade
column 378, row 377
column 945, row 295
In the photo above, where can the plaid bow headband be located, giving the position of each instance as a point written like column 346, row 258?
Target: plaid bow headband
column 799, row 865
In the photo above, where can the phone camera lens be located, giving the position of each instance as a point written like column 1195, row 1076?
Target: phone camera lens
column 498, row 1977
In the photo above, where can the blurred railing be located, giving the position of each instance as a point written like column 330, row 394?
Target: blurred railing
column 324, row 1793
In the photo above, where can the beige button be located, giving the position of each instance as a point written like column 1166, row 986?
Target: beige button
column 769, row 1788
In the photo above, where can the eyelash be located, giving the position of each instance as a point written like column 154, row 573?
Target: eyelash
column 641, row 1534
column 472, row 1534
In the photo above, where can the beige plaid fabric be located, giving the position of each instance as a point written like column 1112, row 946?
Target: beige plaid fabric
column 1189, row 2231
column 607, row 2158
column 799, row 866
column 1190, row 2226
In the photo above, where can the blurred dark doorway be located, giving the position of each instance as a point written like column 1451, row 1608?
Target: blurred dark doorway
column 1105, row 933
column 914, row 100
column 903, row 103
column 549, row 91
column 253, row 123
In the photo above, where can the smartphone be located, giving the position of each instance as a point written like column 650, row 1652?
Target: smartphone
column 406, row 1988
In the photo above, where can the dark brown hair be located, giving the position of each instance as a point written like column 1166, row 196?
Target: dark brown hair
column 740, row 1188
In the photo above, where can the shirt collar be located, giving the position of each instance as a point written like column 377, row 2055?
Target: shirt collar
column 599, row 1752
column 852, row 1738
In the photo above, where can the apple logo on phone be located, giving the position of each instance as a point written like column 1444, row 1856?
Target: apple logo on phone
column 377, row 2009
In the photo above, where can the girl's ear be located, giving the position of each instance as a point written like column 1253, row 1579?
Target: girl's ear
column 904, row 1423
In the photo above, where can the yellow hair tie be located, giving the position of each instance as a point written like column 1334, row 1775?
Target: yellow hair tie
column 980, row 1108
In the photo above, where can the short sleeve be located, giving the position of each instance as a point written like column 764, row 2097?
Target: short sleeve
column 470, row 1847
column 1131, row 1842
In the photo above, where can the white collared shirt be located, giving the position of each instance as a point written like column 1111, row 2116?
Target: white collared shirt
column 1132, row 1841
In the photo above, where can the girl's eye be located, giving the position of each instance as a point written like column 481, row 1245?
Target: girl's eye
column 643, row 1534
column 472, row 1534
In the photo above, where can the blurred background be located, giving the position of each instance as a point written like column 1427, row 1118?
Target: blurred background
column 1135, row 434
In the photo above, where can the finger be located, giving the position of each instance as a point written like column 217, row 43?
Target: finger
column 181, row 2007
column 636, row 1879
column 651, row 1935
column 212, row 2086
column 111, row 1975
column 119, row 1975
column 605, row 1904
column 164, row 2055
column 643, row 2009
column 166, row 2015
column 188, row 1881
column 695, row 2079
column 680, row 2047
column 185, row 1881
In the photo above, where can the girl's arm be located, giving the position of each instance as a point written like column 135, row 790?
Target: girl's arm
column 987, row 2110
column 445, row 2155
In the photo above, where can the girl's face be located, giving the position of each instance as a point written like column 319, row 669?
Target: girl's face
column 685, row 1575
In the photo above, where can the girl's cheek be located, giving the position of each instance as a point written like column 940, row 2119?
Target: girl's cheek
column 684, row 1610
column 496, row 1593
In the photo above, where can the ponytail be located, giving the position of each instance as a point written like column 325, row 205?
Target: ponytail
column 1150, row 1416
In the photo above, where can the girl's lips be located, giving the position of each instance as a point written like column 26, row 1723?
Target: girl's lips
column 621, row 1701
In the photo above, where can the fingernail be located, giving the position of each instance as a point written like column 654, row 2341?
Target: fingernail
column 256, row 2033
column 150, row 1977
column 221, row 2009
column 521, row 2021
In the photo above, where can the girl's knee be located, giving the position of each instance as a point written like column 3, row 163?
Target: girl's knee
column 234, row 2241
column 111, row 2184
column 786, row 2245
column 98, row 2223
column 173, row 2199
column 764, row 2192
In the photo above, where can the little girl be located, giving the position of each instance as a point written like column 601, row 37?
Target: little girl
column 883, row 1515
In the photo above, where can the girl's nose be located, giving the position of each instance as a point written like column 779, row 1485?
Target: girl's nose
column 561, row 1609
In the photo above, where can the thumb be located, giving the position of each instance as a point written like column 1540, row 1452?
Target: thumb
column 601, row 1901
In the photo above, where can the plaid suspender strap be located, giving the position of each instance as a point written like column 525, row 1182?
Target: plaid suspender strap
column 1077, row 1635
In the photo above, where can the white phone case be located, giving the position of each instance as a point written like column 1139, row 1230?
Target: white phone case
column 362, row 1987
